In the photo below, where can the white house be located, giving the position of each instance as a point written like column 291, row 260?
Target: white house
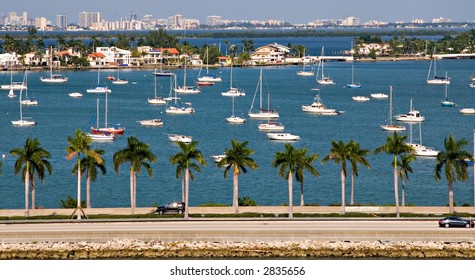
column 9, row 59
column 270, row 54
column 157, row 56
column 114, row 55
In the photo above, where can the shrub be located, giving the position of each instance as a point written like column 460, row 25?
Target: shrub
column 71, row 202
column 246, row 201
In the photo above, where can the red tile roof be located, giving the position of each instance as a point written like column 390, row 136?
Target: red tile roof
column 170, row 50
column 96, row 55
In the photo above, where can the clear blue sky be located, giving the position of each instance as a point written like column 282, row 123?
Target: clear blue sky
column 298, row 11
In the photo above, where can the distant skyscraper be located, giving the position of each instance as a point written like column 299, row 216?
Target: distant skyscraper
column 86, row 19
column 40, row 23
column 214, row 20
column 62, row 21
column 178, row 20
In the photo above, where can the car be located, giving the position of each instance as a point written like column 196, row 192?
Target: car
column 172, row 207
column 454, row 221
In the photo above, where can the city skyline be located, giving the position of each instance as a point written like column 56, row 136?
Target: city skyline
column 300, row 12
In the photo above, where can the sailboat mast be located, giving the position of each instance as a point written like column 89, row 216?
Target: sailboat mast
column 105, row 121
column 260, row 90
column 97, row 113
column 390, row 105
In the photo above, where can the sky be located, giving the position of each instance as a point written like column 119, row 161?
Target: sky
column 296, row 11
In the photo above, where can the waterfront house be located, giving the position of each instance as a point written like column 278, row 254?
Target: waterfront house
column 151, row 56
column 115, row 55
column 96, row 59
column 270, row 54
column 9, row 59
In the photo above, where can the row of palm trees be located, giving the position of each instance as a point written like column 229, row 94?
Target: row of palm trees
column 32, row 161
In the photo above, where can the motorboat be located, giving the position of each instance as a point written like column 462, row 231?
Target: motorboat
column 271, row 126
column 379, row 95
column 467, row 111
column 423, row 151
column 75, row 94
column 412, row 116
column 180, row 138
column 317, row 107
column 151, row 122
column 282, row 136
column 360, row 98
column 179, row 110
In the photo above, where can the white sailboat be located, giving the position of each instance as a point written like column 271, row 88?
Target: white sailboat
column 235, row 119
column 419, row 149
column 175, row 109
column 158, row 100
column 186, row 89
column 411, row 116
column 323, row 80
column 53, row 78
column 23, row 121
column 162, row 73
column 232, row 91
column 118, row 80
column 434, row 79
column 447, row 102
column 208, row 78
column 262, row 113
column 353, row 83
column 151, row 122
column 99, row 136
column 304, row 72
column 390, row 126
column 99, row 88
column 13, row 85
column 28, row 101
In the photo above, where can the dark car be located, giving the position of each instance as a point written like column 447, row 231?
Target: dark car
column 455, row 222
column 172, row 207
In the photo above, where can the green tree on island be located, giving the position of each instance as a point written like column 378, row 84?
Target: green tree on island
column 237, row 158
column 454, row 161
column 89, row 166
column 395, row 145
column 186, row 158
column 31, row 158
column 138, row 155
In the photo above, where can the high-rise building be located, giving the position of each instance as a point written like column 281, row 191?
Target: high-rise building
column 86, row 19
column 214, row 20
column 40, row 23
column 178, row 20
column 61, row 21
column 14, row 19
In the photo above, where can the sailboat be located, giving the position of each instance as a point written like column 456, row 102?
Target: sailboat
column 233, row 118
column 28, row 101
column 99, row 136
column 304, row 72
column 232, row 90
column 262, row 113
column 118, row 80
column 23, row 121
column 208, row 79
column 162, row 73
column 436, row 80
column 99, row 88
column 447, row 102
column 186, row 89
column 157, row 100
column 419, row 149
column 390, row 126
column 53, row 78
column 353, row 83
column 116, row 129
column 323, row 80
column 177, row 110
column 13, row 85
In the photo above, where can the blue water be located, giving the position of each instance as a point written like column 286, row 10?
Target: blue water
column 58, row 116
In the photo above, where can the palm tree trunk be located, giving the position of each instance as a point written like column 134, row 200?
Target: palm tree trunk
column 396, row 192
column 182, row 188
column 187, row 188
column 33, row 192
column 78, row 207
column 451, row 198
column 343, row 178
column 135, row 190
column 88, row 191
column 27, row 192
column 235, row 193
column 403, row 202
column 302, row 203
column 132, row 210
column 352, row 198
column 291, row 208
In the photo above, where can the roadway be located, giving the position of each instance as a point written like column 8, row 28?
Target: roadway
column 250, row 230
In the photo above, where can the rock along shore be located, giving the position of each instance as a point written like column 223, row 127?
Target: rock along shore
column 135, row 249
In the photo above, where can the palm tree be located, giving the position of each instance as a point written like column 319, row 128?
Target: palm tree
column 78, row 145
column 237, row 158
column 288, row 160
column 357, row 155
column 186, row 158
column 453, row 159
column 34, row 159
column 138, row 154
column 404, row 170
column 305, row 162
column 395, row 145
column 89, row 166
column 340, row 153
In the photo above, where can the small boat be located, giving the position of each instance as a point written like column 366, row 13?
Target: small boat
column 390, row 126
column 75, row 94
column 208, row 79
column 317, row 107
column 360, row 98
column 186, row 89
column 99, row 88
column 158, row 100
column 218, row 158
column 151, row 122
column 419, row 149
column 472, row 85
column 204, row 84
column 262, row 113
column 304, row 72
column 233, row 92
column 447, row 102
column 235, row 119
column 467, row 111
column 436, row 80
column 323, row 80
column 353, row 83
column 180, row 138
column 271, row 126
column 23, row 121
column 120, row 82
column 53, row 78
column 11, row 94
column 283, row 136
column 101, row 137
column 379, row 95
column 412, row 116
